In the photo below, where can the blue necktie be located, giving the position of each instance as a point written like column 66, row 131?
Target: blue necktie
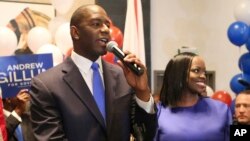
column 19, row 133
column 98, row 89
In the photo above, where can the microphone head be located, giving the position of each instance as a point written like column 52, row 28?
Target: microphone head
column 111, row 45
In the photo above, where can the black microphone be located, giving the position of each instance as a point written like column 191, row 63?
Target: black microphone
column 113, row 47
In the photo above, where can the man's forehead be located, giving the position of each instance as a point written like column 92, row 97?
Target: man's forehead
column 95, row 14
column 243, row 97
column 94, row 9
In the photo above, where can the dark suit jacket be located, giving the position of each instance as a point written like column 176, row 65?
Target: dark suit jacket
column 63, row 108
column 12, row 123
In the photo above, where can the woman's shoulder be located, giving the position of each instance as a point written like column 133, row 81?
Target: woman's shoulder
column 214, row 103
column 203, row 103
column 219, row 109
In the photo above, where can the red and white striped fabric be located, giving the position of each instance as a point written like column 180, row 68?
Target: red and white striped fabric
column 133, row 40
column 3, row 131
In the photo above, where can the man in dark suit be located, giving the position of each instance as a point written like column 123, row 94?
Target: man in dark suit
column 16, row 111
column 62, row 102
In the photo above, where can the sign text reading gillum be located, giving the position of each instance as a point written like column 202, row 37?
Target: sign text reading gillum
column 16, row 71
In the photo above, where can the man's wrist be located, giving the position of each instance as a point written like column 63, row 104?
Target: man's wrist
column 143, row 95
column 16, row 115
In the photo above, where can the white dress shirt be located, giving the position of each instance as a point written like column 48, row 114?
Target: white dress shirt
column 87, row 74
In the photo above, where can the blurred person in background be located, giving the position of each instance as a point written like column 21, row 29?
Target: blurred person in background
column 242, row 108
column 17, row 116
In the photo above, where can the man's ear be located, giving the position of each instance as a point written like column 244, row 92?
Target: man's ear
column 74, row 32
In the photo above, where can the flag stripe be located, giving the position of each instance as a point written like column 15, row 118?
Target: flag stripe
column 133, row 34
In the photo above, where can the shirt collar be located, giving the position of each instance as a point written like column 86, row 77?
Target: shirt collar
column 80, row 60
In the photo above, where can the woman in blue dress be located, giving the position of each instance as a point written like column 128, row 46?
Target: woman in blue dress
column 183, row 113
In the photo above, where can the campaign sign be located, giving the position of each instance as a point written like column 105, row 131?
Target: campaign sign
column 16, row 71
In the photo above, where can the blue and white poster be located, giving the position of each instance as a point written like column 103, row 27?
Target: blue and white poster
column 16, row 71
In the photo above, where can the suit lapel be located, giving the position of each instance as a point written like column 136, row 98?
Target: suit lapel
column 115, row 88
column 79, row 87
column 24, row 130
column 109, row 81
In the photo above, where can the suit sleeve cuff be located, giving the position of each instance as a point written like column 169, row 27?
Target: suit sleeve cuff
column 147, row 106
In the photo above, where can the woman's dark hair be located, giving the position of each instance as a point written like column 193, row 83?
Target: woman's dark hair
column 175, row 78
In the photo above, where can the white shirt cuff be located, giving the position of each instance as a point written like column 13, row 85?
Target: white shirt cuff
column 147, row 106
column 16, row 116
